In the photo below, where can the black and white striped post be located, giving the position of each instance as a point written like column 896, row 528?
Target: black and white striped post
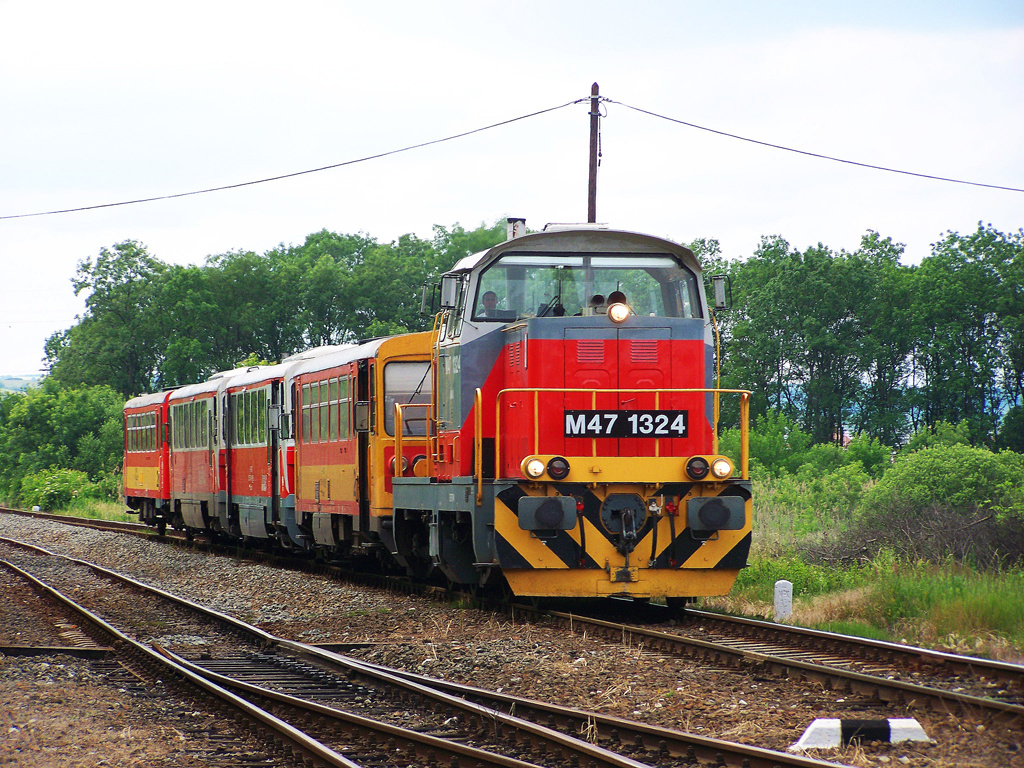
column 828, row 733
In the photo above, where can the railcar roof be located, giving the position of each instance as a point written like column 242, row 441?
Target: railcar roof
column 341, row 356
column 151, row 399
column 589, row 240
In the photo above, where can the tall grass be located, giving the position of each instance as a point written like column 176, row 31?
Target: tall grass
column 945, row 605
column 96, row 509
column 950, row 604
column 802, row 509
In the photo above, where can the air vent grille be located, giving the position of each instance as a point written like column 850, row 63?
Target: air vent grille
column 643, row 351
column 590, row 352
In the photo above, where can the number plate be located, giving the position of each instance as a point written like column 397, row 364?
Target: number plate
column 626, row 424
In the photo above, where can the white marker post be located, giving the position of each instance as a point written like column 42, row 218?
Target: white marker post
column 783, row 600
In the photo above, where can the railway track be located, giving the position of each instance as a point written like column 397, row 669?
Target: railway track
column 887, row 672
column 358, row 712
column 879, row 671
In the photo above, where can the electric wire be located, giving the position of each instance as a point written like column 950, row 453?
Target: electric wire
column 296, row 173
column 812, row 154
column 411, row 147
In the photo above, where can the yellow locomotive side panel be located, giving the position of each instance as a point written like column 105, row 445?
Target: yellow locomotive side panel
column 410, row 348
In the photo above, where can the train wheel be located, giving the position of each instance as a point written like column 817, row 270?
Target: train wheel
column 161, row 527
column 676, row 605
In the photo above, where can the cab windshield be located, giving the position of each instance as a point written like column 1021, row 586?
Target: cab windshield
column 557, row 285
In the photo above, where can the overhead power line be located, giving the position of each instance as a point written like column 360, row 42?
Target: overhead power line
column 812, row 154
column 497, row 125
column 296, row 173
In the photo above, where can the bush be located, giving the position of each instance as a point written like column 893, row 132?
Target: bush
column 936, row 503
column 957, row 476
column 52, row 489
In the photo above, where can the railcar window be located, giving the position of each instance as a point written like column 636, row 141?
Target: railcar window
column 404, row 383
column 314, row 411
column 204, row 423
column 554, row 285
column 334, row 409
column 261, row 416
column 325, row 411
column 252, row 425
column 305, row 413
column 345, row 405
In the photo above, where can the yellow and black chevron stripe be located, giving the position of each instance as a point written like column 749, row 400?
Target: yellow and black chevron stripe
column 667, row 557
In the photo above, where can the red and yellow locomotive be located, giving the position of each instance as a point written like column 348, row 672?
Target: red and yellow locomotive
column 555, row 432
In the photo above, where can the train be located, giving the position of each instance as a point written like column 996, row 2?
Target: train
column 554, row 435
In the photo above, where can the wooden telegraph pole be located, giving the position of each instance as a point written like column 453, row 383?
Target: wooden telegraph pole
column 595, row 116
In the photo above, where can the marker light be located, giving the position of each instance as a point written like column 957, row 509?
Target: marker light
column 721, row 468
column 405, row 466
column 697, row 468
column 618, row 312
column 535, row 468
column 558, row 468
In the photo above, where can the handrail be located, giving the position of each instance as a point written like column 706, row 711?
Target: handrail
column 744, row 416
column 399, row 437
column 478, row 445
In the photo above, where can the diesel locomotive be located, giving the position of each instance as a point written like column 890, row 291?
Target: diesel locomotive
column 554, row 434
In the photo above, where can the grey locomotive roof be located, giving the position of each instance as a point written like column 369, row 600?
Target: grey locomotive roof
column 586, row 239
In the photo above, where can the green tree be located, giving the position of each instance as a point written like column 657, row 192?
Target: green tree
column 53, row 426
column 962, row 348
column 117, row 341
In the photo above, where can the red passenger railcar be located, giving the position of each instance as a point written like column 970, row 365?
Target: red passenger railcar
column 196, row 448
column 146, row 455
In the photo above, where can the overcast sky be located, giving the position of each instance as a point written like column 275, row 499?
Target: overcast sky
column 103, row 102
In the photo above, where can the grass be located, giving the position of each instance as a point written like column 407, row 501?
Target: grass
column 94, row 509
column 946, row 605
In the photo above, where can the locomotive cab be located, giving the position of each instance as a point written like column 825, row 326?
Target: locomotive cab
column 574, row 421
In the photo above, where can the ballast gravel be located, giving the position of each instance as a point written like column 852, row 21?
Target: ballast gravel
column 445, row 640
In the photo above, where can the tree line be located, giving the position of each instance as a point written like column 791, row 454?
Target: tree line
column 860, row 344
column 150, row 325
column 833, row 344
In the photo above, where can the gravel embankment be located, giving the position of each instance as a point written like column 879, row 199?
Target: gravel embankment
column 445, row 640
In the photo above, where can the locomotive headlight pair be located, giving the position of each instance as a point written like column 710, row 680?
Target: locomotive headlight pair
column 557, row 468
column 697, row 468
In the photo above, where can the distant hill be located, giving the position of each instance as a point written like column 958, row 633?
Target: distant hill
column 17, row 384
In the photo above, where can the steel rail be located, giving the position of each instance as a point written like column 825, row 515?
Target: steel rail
column 1001, row 670
column 553, row 740
column 426, row 747
column 836, row 677
column 663, row 741
column 307, row 747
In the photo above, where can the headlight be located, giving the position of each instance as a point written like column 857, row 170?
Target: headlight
column 721, row 468
column 558, row 468
column 618, row 312
column 535, row 468
column 697, row 468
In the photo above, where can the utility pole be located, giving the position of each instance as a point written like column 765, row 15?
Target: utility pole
column 595, row 116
